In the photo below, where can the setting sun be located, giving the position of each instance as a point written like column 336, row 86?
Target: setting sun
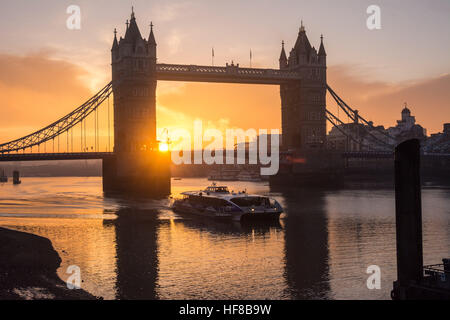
column 163, row 147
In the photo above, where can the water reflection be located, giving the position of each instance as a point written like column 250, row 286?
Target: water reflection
column 207, row 259
column 139, row 249
column 156, row 257
column 136, row 253
column 306, row 244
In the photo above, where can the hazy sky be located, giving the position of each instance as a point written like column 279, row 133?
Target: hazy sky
column 47, row 70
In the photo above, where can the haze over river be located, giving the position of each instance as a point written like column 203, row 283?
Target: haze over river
column 134, row 248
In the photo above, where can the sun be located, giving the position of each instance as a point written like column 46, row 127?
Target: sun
column 163, row 147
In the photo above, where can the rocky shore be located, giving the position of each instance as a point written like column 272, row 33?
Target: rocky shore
column 28, row 265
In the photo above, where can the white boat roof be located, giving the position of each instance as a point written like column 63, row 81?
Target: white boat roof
column 220, row 195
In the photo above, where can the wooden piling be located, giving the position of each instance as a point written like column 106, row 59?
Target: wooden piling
column 408, row 213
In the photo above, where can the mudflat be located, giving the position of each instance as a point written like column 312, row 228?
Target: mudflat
column 28, row 265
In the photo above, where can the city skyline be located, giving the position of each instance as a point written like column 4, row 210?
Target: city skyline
column 55, row 71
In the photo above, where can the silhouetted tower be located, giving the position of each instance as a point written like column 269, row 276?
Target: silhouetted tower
column 137, row 166
column 303, row 103
column 134, row 86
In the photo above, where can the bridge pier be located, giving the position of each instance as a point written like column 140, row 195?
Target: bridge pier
column 145, row 173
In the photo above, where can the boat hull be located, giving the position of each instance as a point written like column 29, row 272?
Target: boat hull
column 235, row 216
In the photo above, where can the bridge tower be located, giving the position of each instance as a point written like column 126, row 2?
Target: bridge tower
column 303, row 102
column 137, row 165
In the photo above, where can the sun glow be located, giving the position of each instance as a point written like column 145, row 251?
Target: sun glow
column 163, row 147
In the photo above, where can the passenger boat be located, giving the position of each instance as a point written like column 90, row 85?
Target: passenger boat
column 218, row 202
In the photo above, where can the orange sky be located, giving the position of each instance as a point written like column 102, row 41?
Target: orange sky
column 48, row 70
column 36, row 90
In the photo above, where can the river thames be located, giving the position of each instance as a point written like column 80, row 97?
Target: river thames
column 139, row 249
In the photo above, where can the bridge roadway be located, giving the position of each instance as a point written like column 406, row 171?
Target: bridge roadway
column 102, row 155
column 388, row 155
column 228, row 74
column 54, row 156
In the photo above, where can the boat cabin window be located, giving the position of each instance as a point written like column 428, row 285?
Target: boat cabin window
column 207, row 201
column 217, row 190
column 251, row 201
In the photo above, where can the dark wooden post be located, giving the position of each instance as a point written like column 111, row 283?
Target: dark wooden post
column 408, row 213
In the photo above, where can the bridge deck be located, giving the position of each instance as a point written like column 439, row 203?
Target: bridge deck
column 227, row 74
column 54, row 156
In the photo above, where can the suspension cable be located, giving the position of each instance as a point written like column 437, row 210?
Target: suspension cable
column 60, row 126
column 351, row 112
column 330, row 117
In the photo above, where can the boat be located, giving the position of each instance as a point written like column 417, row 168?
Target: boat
column 3, row 176
column 218, row 202
column 251, row 176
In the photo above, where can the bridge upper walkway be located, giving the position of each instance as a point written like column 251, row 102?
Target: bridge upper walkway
column 227, row 74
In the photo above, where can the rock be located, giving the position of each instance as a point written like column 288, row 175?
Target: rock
column 28, row 265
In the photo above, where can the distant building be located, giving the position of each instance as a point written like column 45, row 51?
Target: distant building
column 439, row 142
column 407, row 128
column 267, row 138
column 354, row 137
column 339, row 137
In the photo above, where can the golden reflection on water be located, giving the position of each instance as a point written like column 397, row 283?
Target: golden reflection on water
column 219, row 261
column 131, row 248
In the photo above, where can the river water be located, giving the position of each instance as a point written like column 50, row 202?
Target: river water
column 132, row 248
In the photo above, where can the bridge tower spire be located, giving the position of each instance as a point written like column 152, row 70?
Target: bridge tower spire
column 322, row 52
column 152, row 44
column 283, row 57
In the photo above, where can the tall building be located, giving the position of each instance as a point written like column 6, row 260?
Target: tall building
column 303, row 102
column 134, row 85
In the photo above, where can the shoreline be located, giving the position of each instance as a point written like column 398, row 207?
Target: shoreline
column 28, row 265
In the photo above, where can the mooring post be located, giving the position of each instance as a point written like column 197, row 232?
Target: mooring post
column 408, row 214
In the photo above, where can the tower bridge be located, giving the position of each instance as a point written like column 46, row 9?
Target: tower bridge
column 134, row 164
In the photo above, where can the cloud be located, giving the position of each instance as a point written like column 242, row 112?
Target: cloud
column 170, row 11
column 36, row 90
column 174, row 42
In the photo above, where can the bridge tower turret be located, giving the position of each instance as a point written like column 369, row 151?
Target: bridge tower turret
column 322, row 53
column 303, row 102
column 283, row 57
column 137, row 162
